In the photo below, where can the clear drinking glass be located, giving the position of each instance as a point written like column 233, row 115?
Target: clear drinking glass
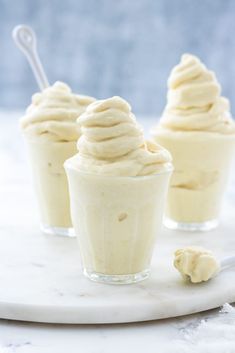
column 51, row 186
column 201, row 162
column 117, row 220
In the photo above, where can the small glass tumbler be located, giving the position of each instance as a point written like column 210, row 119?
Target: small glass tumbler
column 116, row 220
column 51, row 186
column 202, row 163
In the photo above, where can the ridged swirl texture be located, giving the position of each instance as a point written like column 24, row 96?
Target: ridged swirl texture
column 53, row 113
column 194, row 101
column 112, row 143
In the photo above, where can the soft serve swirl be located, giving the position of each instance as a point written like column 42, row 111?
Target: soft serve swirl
column 194, row 101
column 112, row 143
column 53, row 113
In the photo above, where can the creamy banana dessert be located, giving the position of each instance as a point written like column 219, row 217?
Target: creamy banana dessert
column 118, row 182
column 197, row 128
column 51, row 132
column 196, row 264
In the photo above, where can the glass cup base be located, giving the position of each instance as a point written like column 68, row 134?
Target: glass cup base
column 117, row 279
column 191, row 227
column 64, row 232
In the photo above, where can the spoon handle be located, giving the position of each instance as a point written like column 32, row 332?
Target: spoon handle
column 228, row 261
column 25, row 38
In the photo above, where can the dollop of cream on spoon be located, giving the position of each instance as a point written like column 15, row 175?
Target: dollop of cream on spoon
column 196, row 264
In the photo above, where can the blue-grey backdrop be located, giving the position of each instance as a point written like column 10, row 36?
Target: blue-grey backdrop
column 116, row 47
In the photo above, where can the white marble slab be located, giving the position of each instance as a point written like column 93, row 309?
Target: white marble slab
column 41, row 278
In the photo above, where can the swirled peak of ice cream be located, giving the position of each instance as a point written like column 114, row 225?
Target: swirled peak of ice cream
column 196, row 264
column 194, row 102
column 53, row 113
column 112, row 143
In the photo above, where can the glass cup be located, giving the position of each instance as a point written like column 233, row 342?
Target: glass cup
column 50, row 183
column 201, row 167
column 116, row 220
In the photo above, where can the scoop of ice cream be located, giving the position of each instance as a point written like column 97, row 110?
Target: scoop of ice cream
column 112, row 143
column 196, row 264
column 194, row 101
column 53, row 113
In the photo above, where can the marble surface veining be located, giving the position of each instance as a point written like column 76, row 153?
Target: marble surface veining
column 42, row 280
column 165, row 336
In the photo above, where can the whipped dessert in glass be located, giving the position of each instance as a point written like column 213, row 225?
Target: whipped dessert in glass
column 118, row 184
column 197, row 128
column 51, row 132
